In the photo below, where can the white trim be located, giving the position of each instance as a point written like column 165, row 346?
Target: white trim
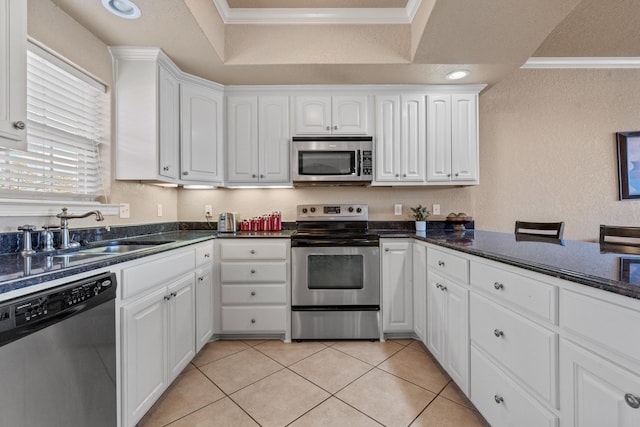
column 365, row 89
column 27, row 207
column 318, row 15
column 584, row 62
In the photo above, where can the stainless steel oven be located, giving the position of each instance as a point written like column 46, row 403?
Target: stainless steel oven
column 335, row 274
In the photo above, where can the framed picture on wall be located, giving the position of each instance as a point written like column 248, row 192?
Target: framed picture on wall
column 629, row 164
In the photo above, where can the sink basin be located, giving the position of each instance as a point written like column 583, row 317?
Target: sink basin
column 117, row 248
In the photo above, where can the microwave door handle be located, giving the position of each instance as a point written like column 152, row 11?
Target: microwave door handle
column 359, row 170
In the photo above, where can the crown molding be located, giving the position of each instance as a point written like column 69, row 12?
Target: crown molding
column 582, row 62
column 264, row 16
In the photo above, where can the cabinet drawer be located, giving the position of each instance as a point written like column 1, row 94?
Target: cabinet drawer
column 204, row 253
column 150, row 274
column 253, row 272
column 256, row 294
column 501, row 401
column 517, row 344
column 451, row 265
column 247, row 250
column 254, row 319
column 525, row 293
column 610, row 325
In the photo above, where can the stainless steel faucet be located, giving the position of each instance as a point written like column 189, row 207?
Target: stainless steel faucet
column 64, row 226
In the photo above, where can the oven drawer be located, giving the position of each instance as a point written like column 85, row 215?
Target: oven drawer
column 254, row 319
column 253, row 272
column 254, row 294
column 247, row 249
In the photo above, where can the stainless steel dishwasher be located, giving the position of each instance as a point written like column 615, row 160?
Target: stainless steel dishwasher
column 58, row 356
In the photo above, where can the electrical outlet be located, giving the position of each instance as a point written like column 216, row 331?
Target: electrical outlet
column 159, row 209
column 124, row 210
column 397, row 209
column 208, row 210
column 436, row 209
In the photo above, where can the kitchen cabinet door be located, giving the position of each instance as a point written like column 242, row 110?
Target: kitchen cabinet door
column 201, row 133
column 387, row 160
column 313, row 115
column 439, row 138
column 419, row 262
column 13, row 74
column 242, row 139
column 464, row 137
column 349, row 115
column 144, row 368
column 168, row 119
column 204, row 306
column 397, row 295
column 412, row 144
column 596, row 392
column 457, row 339
column 273, row 139
column 436, row 317
column 181, row 325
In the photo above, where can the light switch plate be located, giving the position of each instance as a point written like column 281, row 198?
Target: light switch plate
column 436, row 209
column 159, row 209
column 397, row 209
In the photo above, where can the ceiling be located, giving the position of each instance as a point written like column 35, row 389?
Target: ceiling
column 365, row 41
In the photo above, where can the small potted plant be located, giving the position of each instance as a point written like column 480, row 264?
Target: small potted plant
column 420, row 215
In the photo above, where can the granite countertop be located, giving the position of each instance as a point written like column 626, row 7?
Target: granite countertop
column 572, row 260
column 17, row 271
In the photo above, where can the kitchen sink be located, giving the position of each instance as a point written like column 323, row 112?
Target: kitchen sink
column 112, row 248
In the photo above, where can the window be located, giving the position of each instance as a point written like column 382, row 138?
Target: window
column 67, row 121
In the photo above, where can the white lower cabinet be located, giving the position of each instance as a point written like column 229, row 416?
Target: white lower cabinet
column 448, row 327
column 397, row 294
column 204, row 306
column 419, row 263
column 158, row 343
column 596, row 392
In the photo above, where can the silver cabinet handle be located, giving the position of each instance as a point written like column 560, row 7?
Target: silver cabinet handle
column 174, row 294
column 441, row 263
column 386, row 249
column 328, row 127
column 166, row 168
column 19, row 125
column 335, row 127
column 254, row 175
column 498, row 333
column 633, row 401
column 457, row 174
column 253, row 293
column 253, row 320
column 200, row 279
column 207, row 255
column 498, row 399
column 253, row 271
column 167, row 297
column 498, row 286
column 261, row 175
column 438, row 285
column 185, row 173
column 397, row 175
column 448, row 175
column 252, row 251
column 444, row 289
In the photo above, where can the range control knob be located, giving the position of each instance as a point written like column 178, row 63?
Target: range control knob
column 350, row 209
column 313, row 210
column 304, row 210
column 359, row 210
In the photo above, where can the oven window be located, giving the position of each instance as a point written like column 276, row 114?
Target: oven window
column 326, row 162
column 335, row 271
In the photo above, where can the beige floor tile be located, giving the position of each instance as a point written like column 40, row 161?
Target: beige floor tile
column 417, row 345
column 389, row 400
column 418, row 368
column 253, row 343
column 371, row 352
column 334, row 412
column 401, row 341
column 288, row 354
column 452, row 392
column 445, row 413
column 330, row 369
column 190, row 391
column 279, row 399
column 239, row 370
column 223, row 413
column 217, row 350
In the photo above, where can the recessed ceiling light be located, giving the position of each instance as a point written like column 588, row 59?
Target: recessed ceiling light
column 122, row 8
column 457, row 75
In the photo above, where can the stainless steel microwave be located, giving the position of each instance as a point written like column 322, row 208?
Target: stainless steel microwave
column 332, row 160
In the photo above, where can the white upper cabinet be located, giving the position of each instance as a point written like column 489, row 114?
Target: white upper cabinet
column 258, row 139
column 452, row 138
column 168, row 122
column 13, row 74
column 400, row 139
column 201, row 142
column 326, row 115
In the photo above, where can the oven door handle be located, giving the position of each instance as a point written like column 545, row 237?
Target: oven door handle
column 334, row 242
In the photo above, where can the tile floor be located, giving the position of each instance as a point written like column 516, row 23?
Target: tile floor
column 342, row 383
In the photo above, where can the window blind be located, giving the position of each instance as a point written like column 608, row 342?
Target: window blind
column 67, row 120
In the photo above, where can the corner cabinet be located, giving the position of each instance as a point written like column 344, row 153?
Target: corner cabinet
column 397, row 293
column 326, row 115
column 258, row 140
column 452, row 139
column 400, row 143
column 13, row 74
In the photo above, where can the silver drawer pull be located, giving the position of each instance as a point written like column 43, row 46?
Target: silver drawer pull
column 443, row 288
column 253, row 320
column 252, row 251
column 633, row 401
column 498, row 286
column 253, row 271
column 441, row 263
column 253, row 293
column 207, row 255
column 498, row 399
column 174, row 294
column 438, row 286
column 167, row 297
column 498, row 333
column 200, row 279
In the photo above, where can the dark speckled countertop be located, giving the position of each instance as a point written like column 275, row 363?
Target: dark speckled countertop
column 572, row 260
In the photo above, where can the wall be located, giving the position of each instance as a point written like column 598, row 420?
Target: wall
column 50, row 26
column 548, row 151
